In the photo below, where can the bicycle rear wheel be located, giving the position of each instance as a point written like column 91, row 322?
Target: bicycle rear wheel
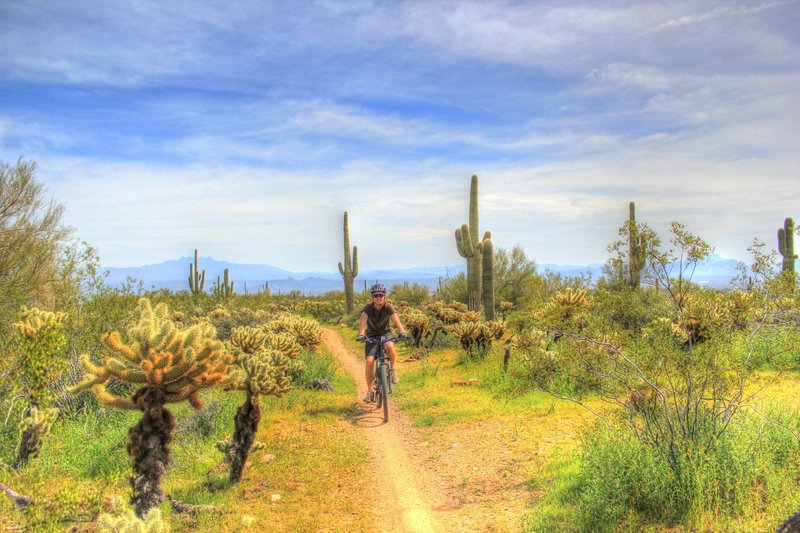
column 384, row 391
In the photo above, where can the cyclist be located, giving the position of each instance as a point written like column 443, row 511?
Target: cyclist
column 374, row 322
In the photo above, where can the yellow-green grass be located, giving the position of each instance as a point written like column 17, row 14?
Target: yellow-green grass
column 313, row 474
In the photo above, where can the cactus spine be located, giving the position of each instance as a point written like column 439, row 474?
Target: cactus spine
column 637, row 249
column 197, row 280
column 478, row 276
column 350, row 269
column 786, row 245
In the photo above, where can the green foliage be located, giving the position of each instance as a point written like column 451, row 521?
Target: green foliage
column 350, row 269
column 31, row 237
column 409, row 293
column 750, row 466
column 453, row 288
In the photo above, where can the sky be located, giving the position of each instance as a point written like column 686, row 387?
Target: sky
column 246, row 129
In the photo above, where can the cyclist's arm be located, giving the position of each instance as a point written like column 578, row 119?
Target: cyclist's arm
column 396, row 319
column 362, row 323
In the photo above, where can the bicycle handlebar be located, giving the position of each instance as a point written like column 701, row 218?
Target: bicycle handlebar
column 382, row 339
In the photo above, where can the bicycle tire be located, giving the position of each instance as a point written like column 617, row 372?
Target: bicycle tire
column 791, row 524
column 378, row 391
column 385, row 391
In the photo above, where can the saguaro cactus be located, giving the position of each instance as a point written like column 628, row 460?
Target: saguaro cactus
column 167, row 365
column 197, row 280
column 223, row 288
column 487, row 253
column 786, row 245
column 471, row 248
column 350, row 269
column 637, row 249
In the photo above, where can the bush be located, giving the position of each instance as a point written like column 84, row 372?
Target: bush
column 752, row 466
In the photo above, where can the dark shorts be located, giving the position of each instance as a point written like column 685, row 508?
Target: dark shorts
column 371, row 350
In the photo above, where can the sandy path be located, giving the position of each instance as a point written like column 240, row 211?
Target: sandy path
column 407, row 504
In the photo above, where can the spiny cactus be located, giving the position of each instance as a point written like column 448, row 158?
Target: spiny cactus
column 197, row 280
column 306, row 332
column 786, row 245
column 32, row 429
column 128, row 522
column 37, row 351
column 637, row 249
column 258, row 370
column 350, row 269
column 480, row 272
column 487, row 253
column 223, row 288
column 168, row 365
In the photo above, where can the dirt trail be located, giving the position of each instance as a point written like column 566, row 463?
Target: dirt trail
column 409, row 498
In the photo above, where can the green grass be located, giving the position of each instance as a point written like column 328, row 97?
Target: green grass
column 314, row 460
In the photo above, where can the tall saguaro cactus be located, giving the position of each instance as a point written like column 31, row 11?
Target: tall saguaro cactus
column 196, row 280
column 487, row 252
column 786, row 245
column 637, row 249
column 350, row 269
column 479, row 276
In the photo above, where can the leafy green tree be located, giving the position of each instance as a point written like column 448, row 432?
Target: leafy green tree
column 515, row 275
column 31, row 236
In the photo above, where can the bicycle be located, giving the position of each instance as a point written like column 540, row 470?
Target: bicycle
column 383, row 367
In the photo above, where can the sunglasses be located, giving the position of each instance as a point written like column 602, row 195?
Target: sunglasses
column 378, row 295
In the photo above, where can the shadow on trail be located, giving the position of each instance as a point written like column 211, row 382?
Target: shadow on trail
column 366, row 415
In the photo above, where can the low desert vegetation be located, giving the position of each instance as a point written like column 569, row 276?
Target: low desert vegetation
column 639, row 401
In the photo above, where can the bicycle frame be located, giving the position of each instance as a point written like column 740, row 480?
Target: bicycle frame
column 383, row 366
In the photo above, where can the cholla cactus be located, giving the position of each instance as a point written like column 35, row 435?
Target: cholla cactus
column 283, row 342
column 306, row 332
column 128, row 522
column 37, row 359
column 258, row 370
column 573, row 297
column 32, row 429
column 228, row 448
column 418, row 323
column 167, row 365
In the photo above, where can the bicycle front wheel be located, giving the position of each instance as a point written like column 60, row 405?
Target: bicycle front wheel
column 384, row 392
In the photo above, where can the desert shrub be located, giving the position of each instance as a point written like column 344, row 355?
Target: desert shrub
column 410, row 293
column 750, row 467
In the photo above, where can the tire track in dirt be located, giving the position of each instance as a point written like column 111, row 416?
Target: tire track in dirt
column 408, row 501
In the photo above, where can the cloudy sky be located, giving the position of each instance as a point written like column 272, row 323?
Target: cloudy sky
column 247, row 128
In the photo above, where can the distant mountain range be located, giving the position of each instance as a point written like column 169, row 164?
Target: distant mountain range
column 174, row 275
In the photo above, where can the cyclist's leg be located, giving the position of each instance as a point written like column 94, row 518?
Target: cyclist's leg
column 392, row 358
column 369, row 372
